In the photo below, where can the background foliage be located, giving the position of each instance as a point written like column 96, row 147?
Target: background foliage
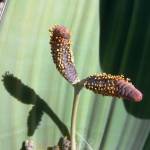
column 37, row 94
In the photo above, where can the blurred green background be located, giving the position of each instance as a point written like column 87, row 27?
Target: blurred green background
column 107, row 35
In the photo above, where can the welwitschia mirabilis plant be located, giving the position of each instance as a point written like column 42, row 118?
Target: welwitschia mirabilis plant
column 101, row 83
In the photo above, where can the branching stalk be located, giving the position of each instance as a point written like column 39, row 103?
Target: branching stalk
column 77, row 88
column 74, row 117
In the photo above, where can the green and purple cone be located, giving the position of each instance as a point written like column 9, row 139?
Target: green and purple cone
column 62, row 53
column 111, row 85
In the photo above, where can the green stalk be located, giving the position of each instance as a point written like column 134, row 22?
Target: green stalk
column 77, row 88
column 74, row 117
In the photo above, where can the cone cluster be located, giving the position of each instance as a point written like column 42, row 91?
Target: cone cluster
column 105, row 84
column 62, row 53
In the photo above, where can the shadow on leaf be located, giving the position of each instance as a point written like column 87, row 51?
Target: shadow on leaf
column 23, row 146
column 26, row 95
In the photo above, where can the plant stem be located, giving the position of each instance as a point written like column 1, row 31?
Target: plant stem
column 74, row 117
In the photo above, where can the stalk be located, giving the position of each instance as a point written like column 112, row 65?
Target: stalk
column 74, row 117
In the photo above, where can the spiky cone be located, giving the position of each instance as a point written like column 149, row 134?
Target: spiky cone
column 62, row 53
column 111, row 85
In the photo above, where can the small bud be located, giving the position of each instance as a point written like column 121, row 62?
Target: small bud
column 110, row 85
column 62, row 54
column 29, row 145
